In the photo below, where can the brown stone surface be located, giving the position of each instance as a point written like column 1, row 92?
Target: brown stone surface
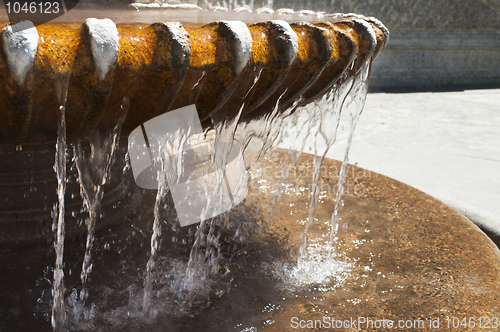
column 344, row 51
column 311, row 58
column 413, row 257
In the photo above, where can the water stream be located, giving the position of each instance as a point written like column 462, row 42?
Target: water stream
column 353, row 104
column 257, row 137
column 155, row 238
column 317, row 125
column 58, row 319
column 93, row 174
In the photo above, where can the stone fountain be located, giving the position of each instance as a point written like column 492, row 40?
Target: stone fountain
column 95, row 65
column 84, row 86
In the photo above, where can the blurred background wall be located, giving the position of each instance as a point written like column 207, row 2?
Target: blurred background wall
column 434, row 44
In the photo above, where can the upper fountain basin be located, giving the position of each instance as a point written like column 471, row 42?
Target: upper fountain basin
column 222, row 67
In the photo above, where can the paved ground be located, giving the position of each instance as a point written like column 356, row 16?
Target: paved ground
column 445, row 144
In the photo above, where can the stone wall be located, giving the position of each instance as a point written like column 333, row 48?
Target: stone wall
column 434, row 44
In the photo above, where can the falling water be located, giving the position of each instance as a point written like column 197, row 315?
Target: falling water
column 293, row 156
column 255, row 138
column 353, row 104
column 317, row 123
column 322, row 119
column 258, row 136
column 320, row 122
column 185, row 281
column 155, row 238
column 93, row 174
column 58, row 310
column 203, row 263
column 169, row 165
column 204, row 255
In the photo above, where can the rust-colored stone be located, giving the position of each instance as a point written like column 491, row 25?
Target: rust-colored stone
column 314, row 52
column 251, row 77
column 16, row 104
column 203, row 43
column 273, row 52
column 381, row 33
column 363, row 34
column 152, row 64
column 214, row 68
column 62, row 64
column 344, row 51
column 222, row 67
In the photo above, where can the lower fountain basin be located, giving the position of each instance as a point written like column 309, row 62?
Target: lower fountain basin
column 400, row 255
